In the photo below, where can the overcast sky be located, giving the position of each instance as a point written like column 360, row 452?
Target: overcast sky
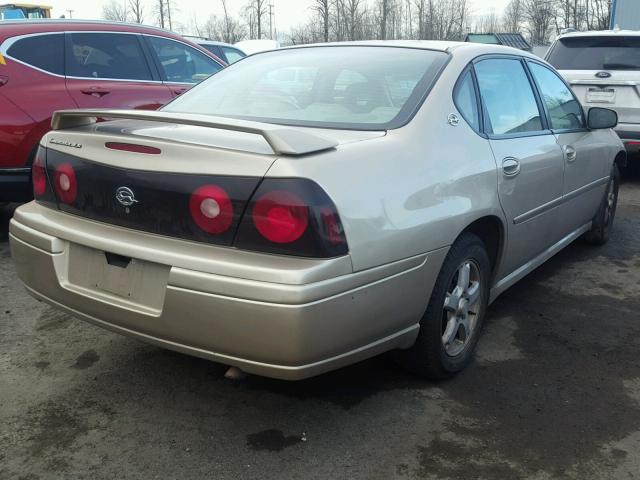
column 287, row 12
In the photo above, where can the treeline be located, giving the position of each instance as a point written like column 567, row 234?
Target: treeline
column 339, row 20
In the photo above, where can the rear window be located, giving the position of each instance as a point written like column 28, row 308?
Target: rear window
column 596, row 53
column 45, row 52
column 364, row 88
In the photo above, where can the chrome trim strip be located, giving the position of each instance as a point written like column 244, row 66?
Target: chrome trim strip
column 605, row 83
column 14, row 171
column 585, row 188
column 531, row 265
column 538, row 211
column 559, row 201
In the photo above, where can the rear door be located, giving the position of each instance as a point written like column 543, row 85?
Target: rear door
column 585, row 152
column 32, row 82
column 603, row 71
column 529, row 160
column 181, row 66
column 111, row 70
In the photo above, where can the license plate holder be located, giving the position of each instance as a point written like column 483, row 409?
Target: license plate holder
column 120, row 278
column 601, row 95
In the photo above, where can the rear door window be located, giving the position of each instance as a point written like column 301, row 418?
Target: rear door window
column 45, row 52
column 507, row 97
column 232, row 54
column 596, row 53
column 464, row 97
column 181, row 63
column 564, row 109
column 106, row 56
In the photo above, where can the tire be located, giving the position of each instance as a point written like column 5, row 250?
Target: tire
column 429, row 356
column 603, row 220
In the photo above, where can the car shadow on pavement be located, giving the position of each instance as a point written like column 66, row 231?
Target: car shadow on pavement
column 6, row 212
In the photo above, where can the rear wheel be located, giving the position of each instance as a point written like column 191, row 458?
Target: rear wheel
column 603, row 221
column 450, row 327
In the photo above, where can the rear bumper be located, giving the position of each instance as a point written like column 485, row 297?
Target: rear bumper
column 629, row 133
column 15, row 185
column 282, row 330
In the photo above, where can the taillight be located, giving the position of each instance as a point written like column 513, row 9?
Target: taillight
column 65, row 183
column 280, row 216
column 292, row 216
column 39, row 174
column 211, row 209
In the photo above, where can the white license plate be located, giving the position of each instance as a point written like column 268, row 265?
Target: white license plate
column 601, row 95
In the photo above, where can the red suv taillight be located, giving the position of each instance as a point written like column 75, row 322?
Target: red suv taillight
column 42, row 192
column 292, row 216
column 39, row 174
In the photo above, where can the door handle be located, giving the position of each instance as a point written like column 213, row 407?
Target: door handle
column 510, row 167
column 95, row 91
column 179, row 91
column 570, row 153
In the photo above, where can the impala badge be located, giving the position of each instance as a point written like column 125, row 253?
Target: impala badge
column 65, row 143
column 126, row 197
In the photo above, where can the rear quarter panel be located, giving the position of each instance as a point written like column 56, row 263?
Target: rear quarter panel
column 13, row 125
column 411, row 191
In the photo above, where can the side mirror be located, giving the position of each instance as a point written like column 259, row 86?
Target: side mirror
column 601, row 118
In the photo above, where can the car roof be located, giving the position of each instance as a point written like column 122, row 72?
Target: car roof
column 21, row 27
column 602, row 33
column 13, row 28
column 203, row 41
column 470, row 48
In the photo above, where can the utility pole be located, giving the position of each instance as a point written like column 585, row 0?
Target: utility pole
column 70, row 12
column 271, row 21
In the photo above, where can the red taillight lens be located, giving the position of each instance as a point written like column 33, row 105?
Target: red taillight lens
column 211, row 209
column 39, row 175
column 292, row 216
column 280, row 216
column 65, row 183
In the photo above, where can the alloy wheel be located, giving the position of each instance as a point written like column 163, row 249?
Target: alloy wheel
column 461, row 308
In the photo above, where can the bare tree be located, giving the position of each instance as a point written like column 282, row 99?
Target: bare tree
column 513, row 16
column 323, row 10
column 352, row 17
column 489, row 23
column 256, row 11
column 540, row 16
column 598, row 13
column 385, row 7
column 168, row 10
column 137, row 10
column 116, row 11
column 160, row 12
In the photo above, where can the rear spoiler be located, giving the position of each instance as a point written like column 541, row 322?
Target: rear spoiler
column 282, row 140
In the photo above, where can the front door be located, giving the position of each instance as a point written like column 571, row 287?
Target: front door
column 110, row 70
column 529, row 160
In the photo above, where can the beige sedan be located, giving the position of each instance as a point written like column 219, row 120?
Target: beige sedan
column 307, row 208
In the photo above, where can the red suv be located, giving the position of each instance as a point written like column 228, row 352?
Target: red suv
column 50, row 65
